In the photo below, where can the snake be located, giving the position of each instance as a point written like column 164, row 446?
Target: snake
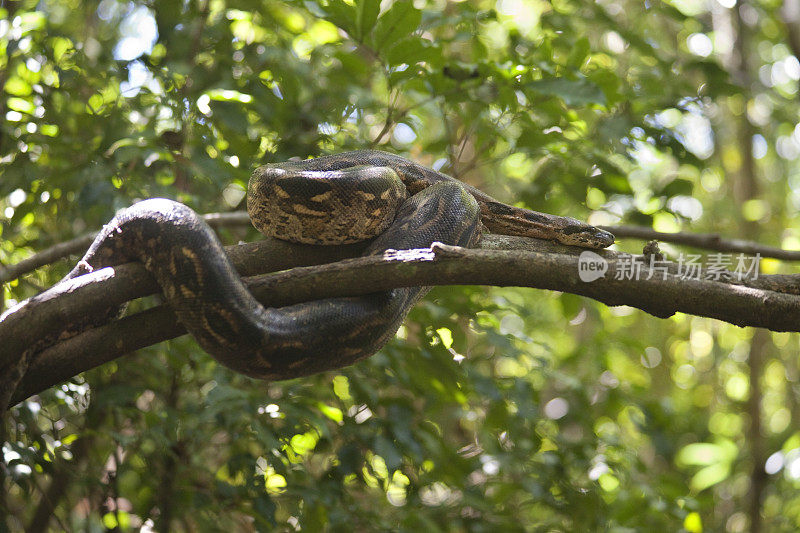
column 366, row 195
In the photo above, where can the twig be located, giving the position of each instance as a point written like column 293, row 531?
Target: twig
column 387, row 125
column 533, row 263
column 45, row 257
column 394, row 114
column 705, row 241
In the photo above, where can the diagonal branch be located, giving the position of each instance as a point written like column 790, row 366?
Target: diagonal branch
column 770, row 301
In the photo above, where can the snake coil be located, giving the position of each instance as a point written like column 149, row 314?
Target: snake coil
column 332, row 200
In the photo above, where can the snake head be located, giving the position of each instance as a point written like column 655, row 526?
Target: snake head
column 577, row 233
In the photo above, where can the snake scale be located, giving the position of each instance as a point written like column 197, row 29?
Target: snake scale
column 333, row 199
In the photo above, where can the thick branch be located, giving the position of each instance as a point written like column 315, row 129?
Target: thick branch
column 706, row 241
column 533, row 263
column 27, row 324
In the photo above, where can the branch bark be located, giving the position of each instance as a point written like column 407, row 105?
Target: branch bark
column 26, row 325
column 770, row 302
column 705, row 241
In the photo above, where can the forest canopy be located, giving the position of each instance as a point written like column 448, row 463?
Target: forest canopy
column 493, row 409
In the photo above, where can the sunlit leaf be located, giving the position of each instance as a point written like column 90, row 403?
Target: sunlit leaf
column 398, row 22
column 556, row 412
column 21, row 105
column 341, row 14
column 709, row 476
column 693, row 523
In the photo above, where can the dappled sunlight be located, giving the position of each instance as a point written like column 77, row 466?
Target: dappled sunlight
column 137, row 33
column 501, row 408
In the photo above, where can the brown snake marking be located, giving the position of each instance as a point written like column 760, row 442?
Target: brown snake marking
column 496, row 216
column 328, row 200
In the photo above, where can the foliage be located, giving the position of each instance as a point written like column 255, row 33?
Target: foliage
column 502, row 409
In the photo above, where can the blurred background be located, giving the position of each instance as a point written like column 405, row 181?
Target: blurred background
column 494, row 409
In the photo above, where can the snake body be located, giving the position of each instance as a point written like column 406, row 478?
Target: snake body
column 333, row 199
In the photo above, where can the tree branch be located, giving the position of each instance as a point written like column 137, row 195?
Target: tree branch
column 45, row 257
column 770, row 301
column 79, row 245
column 790, row 14
column 26, row 325
column 705, row 241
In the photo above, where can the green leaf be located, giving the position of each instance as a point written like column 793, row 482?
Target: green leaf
column 227, row 95
column 342, row 14
column 331, row 412
column 579, row 53
column 61, row 46
column 609, row 83
column 678, row 187
column 709, row 476
column 693, row 523
column 699, row 453
column 410, row 50
column 366, row 15
column 388, row 451
column 30, row 21
column 707, row 453
column 110, row 521
column 400, row 21
column 573, row 92
column 20, row 104
column 17, row 86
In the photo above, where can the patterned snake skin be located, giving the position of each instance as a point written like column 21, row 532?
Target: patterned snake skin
column 334, row 199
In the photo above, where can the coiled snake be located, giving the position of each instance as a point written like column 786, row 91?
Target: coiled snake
column 334, row 199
